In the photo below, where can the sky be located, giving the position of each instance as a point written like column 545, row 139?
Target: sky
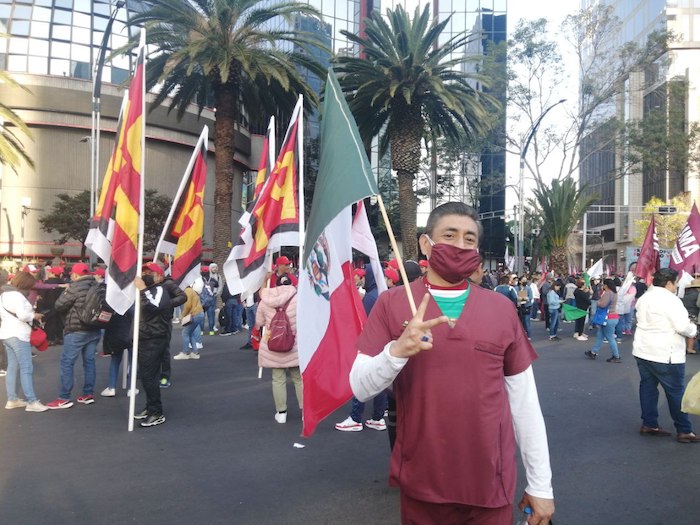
column 555, row 12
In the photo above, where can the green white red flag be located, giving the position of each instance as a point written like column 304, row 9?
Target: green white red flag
column 117, row 225
column 184, row 229
column 330, row 314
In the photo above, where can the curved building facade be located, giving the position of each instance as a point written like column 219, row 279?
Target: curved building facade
column 50, row 49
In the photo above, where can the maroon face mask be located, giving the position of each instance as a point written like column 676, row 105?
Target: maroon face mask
column 452, row 263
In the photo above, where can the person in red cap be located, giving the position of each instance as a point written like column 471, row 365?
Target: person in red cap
column 78, row 339
column 464, row 387
column 423, row 263
column 154, row 339
column 392, row 277
column 177, row 298
column 99, row 274
column 283, row 268
column 359, row 276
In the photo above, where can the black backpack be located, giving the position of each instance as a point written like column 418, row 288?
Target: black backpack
column 95, row 311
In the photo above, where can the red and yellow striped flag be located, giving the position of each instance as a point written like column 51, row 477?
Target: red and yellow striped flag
column 183, row 231
column 115, row 228
column 265, row 161
column 272, row 223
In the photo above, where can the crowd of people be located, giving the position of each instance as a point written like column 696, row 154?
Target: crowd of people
column 411, row 389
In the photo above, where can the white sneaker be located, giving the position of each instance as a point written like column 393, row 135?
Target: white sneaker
column 194, row 355
column 3, row 373
column 281, row 417
column 376, row 424
column 349, row 425
column 108, row 392
column 36, row 406
column 199, row 346
column 17, row 403
column 181, row 356
column 176, row 320
column 128, row 392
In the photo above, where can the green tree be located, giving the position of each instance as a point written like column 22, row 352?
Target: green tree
column 228, row 53
column 12, row 151
column 668, row 227
column 70, row 217
column 561, row 205
column 408, row 87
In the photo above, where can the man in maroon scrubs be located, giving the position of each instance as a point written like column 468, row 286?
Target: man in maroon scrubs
column 464, row 388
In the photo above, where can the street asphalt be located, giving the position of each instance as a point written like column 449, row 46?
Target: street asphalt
column 221, row 458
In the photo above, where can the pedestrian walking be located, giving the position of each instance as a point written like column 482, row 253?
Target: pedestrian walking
column 606, row 329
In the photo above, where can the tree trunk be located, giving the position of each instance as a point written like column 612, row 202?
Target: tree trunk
column 224, row 131
column 405, row 159
column 408, row 204
column 558, row 260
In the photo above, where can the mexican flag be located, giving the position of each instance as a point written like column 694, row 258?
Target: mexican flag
column 330, row 315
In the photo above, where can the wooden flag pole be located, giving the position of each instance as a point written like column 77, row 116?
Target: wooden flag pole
column 399, row 259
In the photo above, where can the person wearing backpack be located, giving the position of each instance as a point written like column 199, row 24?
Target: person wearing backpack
column 207, row 296
column 278, row 346
column 79, row 338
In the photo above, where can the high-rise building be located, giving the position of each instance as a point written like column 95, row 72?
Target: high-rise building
column 485, row 17
column 668, row 86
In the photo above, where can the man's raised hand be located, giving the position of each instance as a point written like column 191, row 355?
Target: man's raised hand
column 417, row 337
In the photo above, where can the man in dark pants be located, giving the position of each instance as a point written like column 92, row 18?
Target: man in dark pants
column 154, row 339
column 177, row 298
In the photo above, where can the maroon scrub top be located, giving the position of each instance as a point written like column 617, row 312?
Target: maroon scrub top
column 454, row 436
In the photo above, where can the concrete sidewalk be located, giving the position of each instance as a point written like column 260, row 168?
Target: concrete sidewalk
column 220, row 458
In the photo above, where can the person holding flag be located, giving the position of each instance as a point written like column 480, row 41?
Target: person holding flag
column 450, row 358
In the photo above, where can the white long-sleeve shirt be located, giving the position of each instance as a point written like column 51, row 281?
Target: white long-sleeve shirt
column 371, row 375
column 662, row 325
column 17, row 325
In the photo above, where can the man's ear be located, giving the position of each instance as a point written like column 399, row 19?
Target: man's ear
column 424, row 245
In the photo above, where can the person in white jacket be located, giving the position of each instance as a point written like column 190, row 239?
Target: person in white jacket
column 17, row 315
column 659, row 348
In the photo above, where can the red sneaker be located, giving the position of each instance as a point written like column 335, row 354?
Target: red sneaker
column 86, row 400
column 59, row 403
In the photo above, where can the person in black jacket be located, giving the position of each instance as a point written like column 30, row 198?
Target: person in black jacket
column 177, row 298
column 154, row 339
column 78, row 339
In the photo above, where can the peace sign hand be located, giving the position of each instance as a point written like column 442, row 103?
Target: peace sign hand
column 416, row 337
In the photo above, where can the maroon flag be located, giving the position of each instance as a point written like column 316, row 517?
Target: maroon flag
column 649, row 257
column 686, row 252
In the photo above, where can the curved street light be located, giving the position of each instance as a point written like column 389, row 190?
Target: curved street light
column 520, row 251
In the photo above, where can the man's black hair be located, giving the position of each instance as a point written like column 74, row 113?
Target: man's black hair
column 453, row 208
column 664, row 276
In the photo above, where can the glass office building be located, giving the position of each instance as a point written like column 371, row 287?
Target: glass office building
column 50, row 48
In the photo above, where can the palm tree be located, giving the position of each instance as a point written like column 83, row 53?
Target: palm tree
column 12, row 151
column 561, row 205
column 227, row 53
column 406, row 87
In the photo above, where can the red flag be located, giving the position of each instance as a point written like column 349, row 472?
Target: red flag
column 183, row 231
column 272, row 223
column 686, row 252
column 649, row 257
column 116, row 227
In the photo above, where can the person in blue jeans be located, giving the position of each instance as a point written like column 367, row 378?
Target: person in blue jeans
column 192, row 331
column 608, row 299
column 554, row 301
column 659, row 349
column 79, row 339
column 251, row 308
column 234, row 312
column 17, row 314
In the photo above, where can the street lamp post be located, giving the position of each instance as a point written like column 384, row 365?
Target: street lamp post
column 96, row 108
column 520, row 252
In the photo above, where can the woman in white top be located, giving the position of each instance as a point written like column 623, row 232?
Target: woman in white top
column 17, row 315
